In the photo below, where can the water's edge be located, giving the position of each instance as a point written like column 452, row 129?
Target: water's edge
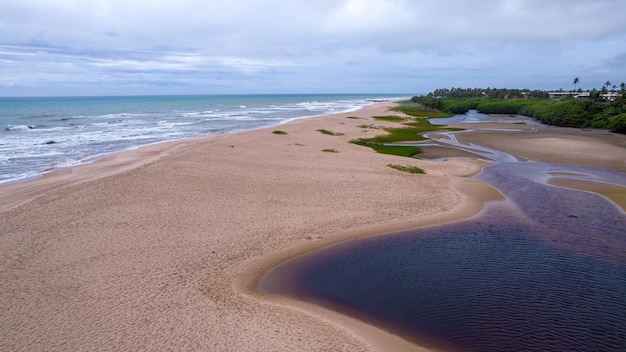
column 543, row 270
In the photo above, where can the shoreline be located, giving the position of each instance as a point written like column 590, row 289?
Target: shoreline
column 122, row 160
column 475, row 198
column 167, row 242
column 52, row 143
column 13, row 194
column 249, row 281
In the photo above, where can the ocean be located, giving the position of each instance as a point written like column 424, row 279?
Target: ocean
column 43, row 134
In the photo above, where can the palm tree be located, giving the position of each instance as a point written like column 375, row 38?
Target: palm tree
column 607, row 84
column 575, row 83
column 623, row 86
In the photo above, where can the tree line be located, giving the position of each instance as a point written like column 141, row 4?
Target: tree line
column 597, row 111
column 495, row 93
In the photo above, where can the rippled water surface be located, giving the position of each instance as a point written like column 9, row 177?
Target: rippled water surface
column 544, row 270
column 481, row 285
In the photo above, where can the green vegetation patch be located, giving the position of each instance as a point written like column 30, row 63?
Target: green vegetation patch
column 370, row 127
column 279, row 132
column 390, row 118
column 330, row 150
column 410, row 132
column 330, row 133
column 409, row 169
column 407, row 151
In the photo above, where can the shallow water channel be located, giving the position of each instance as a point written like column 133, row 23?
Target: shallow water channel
column 544, row 270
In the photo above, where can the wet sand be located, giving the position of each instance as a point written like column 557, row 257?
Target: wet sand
column 615, row 193
column 162, row 248
column 576, row 146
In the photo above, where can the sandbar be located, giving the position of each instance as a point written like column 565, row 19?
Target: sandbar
column 161, row 248
column 576, row 146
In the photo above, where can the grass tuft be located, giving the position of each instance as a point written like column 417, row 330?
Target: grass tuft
column 330, row 150
column 330, row 133
column 390, row 118
column 409, row 169
column 371, row 126
column 279, row 132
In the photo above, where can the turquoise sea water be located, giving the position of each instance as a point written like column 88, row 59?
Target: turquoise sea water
column 42, row 134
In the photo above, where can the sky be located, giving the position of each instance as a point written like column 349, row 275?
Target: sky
column 137, row 47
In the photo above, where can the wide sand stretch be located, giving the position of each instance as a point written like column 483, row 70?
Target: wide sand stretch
column 162, row 248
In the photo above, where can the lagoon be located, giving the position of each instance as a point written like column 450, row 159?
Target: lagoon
column 543, row 270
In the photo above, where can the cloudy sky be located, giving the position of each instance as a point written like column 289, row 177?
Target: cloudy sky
column 104, row 47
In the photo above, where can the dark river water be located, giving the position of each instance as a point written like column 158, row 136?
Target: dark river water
column 544, row 270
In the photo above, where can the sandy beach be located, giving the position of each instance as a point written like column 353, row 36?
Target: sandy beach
column 162, row 248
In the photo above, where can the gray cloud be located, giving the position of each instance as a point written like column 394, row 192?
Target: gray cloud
column 194, row 46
